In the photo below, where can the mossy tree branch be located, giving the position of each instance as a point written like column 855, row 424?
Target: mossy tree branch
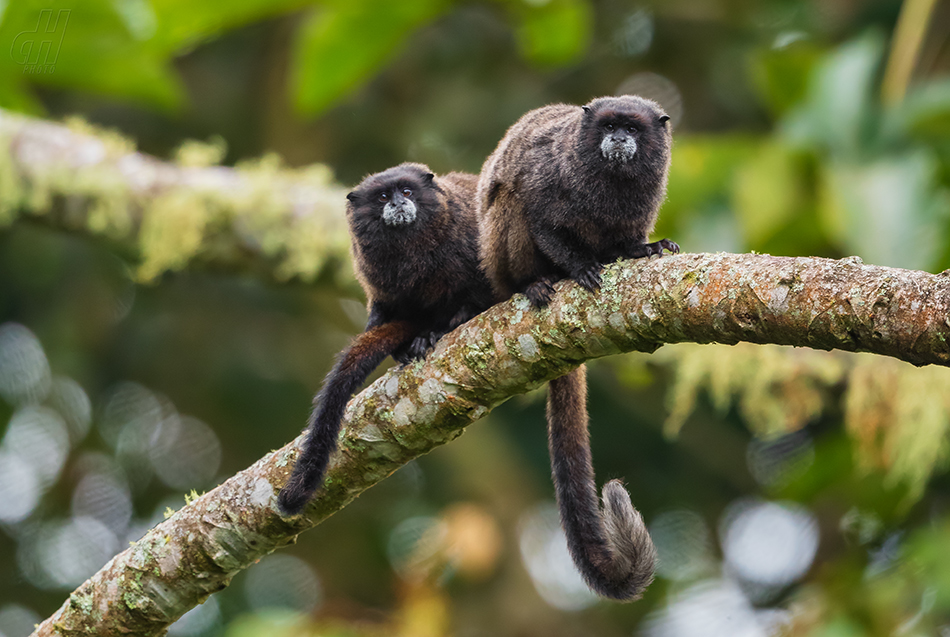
column 282, row 223
column 510, row 349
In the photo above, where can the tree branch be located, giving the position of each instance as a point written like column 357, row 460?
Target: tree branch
column 510, row 349
column 282, row 223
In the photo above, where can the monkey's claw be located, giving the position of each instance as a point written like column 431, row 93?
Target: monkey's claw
column 418, row 347
column 539, row 292
column 464, row 315
column 639, row 250
column 589, row 278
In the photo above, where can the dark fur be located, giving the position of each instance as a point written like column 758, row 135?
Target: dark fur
column 552, row 205
column 422, row 280
column 613, row 549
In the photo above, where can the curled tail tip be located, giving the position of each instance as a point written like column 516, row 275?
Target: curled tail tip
column 630, row 540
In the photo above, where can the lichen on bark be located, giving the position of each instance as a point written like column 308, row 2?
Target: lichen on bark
column 285, row 222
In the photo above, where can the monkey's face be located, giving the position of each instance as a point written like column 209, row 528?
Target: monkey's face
column 398, row 207
column 618, row 142
column 624, row 129
column 398, row 197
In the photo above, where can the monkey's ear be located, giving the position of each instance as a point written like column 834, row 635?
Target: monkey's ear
column 428, row 177
column 663, row 119
column 352, row 196
column 586, row 109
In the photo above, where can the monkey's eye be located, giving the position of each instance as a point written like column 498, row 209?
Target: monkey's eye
column 406, row 192
column 384, row 197
column 608, row 127
column 631, row 128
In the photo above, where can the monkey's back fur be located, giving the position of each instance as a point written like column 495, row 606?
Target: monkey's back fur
column 416, row 253
column 567, row 190
column 550, row 205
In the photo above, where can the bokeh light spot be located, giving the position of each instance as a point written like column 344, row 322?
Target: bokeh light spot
column 24, row 371
column 71, row 402
column 69, row 552
column 710, row 609
column 769, row 544
column 19, row 488
column 129, row 406
column 682, row 541
column 39, row 437
column 414, row 546
column 657, row 88
column 185, row 452
column 635, row 34
column 775, row 461
column 106, row 498
column 282, row 581
column 198, row 621
column 545, row 555
column 17, row 621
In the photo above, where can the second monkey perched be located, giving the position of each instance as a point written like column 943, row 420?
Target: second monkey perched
column 568, row 189
column 415, row 248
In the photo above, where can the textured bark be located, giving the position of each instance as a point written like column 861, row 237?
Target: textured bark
column 510, row 349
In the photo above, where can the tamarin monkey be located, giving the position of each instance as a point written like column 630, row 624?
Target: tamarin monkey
column 568, row 189
column 416, row 251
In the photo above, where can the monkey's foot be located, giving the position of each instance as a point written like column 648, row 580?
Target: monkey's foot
column 539, row 292
column 464, row 315
column 418, row 348
column 408, row 353
column 649, row 249
column 667, row 244
column 589, row 277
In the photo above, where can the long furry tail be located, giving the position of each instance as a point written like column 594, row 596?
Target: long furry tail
column 611, row 547
column 352, row 367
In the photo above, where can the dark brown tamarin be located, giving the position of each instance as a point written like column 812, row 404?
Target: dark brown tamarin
column 569, row 189
column 416, row 253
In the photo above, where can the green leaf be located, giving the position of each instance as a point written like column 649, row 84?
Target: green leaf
column 87, row 46
column 840, row 626
column 697, row 210
column 837, row 114
column 182, row 23
column 120, row 48
column 15, row 95
column 924, row 112
column 343, row 45
column 555, row 32
column 781, row 76
column 702, row 168
column 887, row 211
column 767, row 192
column 930, row 560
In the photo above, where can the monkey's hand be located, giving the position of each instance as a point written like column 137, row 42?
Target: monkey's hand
column 539, row 292
column 639, row 250
column 588, row 277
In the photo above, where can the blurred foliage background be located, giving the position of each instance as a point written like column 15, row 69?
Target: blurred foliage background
column 789, row 491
